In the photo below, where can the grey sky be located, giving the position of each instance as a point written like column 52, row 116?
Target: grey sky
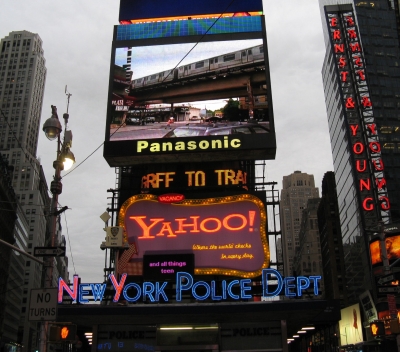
column 77, row 39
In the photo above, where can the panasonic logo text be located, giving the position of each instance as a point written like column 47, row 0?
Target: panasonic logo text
column 169, row 146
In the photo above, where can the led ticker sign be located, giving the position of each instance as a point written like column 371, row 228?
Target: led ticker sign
column 364, row 142
column 226, row 234
column 194, row 178
column 186, row 284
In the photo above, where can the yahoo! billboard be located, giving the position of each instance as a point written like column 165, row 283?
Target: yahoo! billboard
column 226, row 234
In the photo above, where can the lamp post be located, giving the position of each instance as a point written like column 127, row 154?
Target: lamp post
column 64, row 160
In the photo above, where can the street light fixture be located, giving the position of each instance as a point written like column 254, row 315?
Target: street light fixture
column 65, row 159
column 52, row 127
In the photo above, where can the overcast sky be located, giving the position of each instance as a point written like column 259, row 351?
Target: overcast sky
column 77, row 39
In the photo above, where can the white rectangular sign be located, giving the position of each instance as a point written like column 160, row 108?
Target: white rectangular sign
column 43, row 304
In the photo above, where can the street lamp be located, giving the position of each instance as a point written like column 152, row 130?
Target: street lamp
column 65, row 159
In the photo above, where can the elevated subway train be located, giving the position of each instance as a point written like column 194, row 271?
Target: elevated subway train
column 215, row 65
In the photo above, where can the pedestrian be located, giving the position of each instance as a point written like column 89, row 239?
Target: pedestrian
column 170, row 121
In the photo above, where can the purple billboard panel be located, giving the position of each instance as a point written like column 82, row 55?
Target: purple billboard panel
column 138, row 9
column 227, row 235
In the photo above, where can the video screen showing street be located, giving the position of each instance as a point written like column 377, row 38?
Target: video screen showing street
column 218, row 85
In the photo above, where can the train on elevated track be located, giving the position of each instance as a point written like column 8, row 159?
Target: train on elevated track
column 253, row 56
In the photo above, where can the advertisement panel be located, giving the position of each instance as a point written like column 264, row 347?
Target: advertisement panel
column 161, row 71
column 227, row 235
column 350, row 326
column 392, row 242
column 131, row 10
column 362, row 132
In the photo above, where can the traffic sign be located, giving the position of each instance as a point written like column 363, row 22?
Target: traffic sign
column 49, row 251
column 388, row 289
column 43, row 304
column 387, row 278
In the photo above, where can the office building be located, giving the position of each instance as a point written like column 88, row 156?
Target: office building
column 22, row 81
column 7, row 221
column 297, row 189
column 361, row 83
column 307, row 259
column 13, row 327
column 332, row 253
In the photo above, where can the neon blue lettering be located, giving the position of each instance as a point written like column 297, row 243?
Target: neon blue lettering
column 180, row 277
column 302, row 284
column 265, row 273
column 98, row 291
column 289, row 286
column 244, row 288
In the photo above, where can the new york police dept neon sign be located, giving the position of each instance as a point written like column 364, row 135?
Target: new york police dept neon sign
column 185, row 283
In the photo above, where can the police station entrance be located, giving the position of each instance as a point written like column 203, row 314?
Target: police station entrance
column 262, row 326
column 242, row 336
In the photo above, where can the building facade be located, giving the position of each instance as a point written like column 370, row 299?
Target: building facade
column 13, row 324
column 7, row 222
column 297, row 189
column 307, row 259
column 22, row 81
column 333, row 268
column 362, row 91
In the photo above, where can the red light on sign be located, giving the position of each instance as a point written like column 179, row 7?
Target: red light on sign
column 171, row 198
column 352, row 33
column 350, row 21
column 350, row 103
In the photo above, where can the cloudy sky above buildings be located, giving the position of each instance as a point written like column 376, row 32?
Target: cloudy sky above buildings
column 77, row 38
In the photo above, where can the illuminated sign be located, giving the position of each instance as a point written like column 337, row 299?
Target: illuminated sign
column 185, row 284
column 226, row 234
column 136, row 9
column 364, row 142
column 227, row 60
column 164, row 266
column 193, row 178
column 181, row 146
column 392, row 243
column 377, row 328
column 350, row 325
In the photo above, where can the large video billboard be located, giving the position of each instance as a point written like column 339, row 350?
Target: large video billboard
column 160, row 70
column 227, row 235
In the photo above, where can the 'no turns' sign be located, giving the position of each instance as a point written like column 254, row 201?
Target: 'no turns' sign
column 43, row 304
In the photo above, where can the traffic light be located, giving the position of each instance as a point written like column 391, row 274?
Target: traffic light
column 64, row 332
column 377, row 328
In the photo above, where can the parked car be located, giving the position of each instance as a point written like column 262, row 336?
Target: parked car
column 132, row 121
column 213, row 119
column 150, row 119
column 191, row 130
